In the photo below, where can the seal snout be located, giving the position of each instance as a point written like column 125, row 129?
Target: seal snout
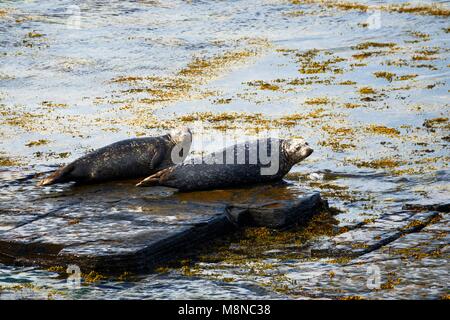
column 298, row 149
column 307, row 150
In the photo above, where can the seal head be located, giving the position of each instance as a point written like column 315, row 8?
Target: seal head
column 181, row 135
column 296, row 150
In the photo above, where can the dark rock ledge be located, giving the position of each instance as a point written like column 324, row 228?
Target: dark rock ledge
column 115, row 227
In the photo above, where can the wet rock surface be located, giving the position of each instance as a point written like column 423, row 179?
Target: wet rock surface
column 367, row 237
column 116, row 227
column 401, row 255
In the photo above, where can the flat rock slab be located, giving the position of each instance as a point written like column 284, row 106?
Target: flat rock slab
column 116, row 227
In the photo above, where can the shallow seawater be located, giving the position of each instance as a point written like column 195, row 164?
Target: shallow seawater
column 369, row 90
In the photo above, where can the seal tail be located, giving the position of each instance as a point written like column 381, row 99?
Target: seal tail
column 60, row 175
column 154, row 179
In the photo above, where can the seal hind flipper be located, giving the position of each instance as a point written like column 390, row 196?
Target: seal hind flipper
column 61, row 175
column 155, row 179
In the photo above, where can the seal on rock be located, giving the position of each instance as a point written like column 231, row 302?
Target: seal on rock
column 126, row 159
column 263, row 160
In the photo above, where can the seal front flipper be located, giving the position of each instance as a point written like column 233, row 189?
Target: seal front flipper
column 61, row 175
column 156, row 160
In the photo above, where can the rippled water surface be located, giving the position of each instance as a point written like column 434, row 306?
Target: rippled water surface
column 368, row 89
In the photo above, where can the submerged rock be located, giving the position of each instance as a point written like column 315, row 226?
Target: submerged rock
column 367, row 237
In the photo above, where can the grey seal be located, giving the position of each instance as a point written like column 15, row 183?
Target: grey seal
column 126, row 159
column 214, row 171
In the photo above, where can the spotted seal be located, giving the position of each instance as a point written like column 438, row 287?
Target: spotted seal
column 126, row 159
column 238, row 165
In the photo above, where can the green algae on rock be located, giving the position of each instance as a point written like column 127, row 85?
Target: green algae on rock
column 8, row 162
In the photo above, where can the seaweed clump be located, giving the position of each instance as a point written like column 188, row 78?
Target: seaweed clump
column 435, row 122
column 367, row 90
column 420, row 9
column 181, row 85
column 36, row 143
column 8, row 162
column 264, row 85
column 254, row 244
column 389, row 76
column 318, row 100
column 367, row 45
column 384, row 163
column 377, row 129
column 430, row 10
